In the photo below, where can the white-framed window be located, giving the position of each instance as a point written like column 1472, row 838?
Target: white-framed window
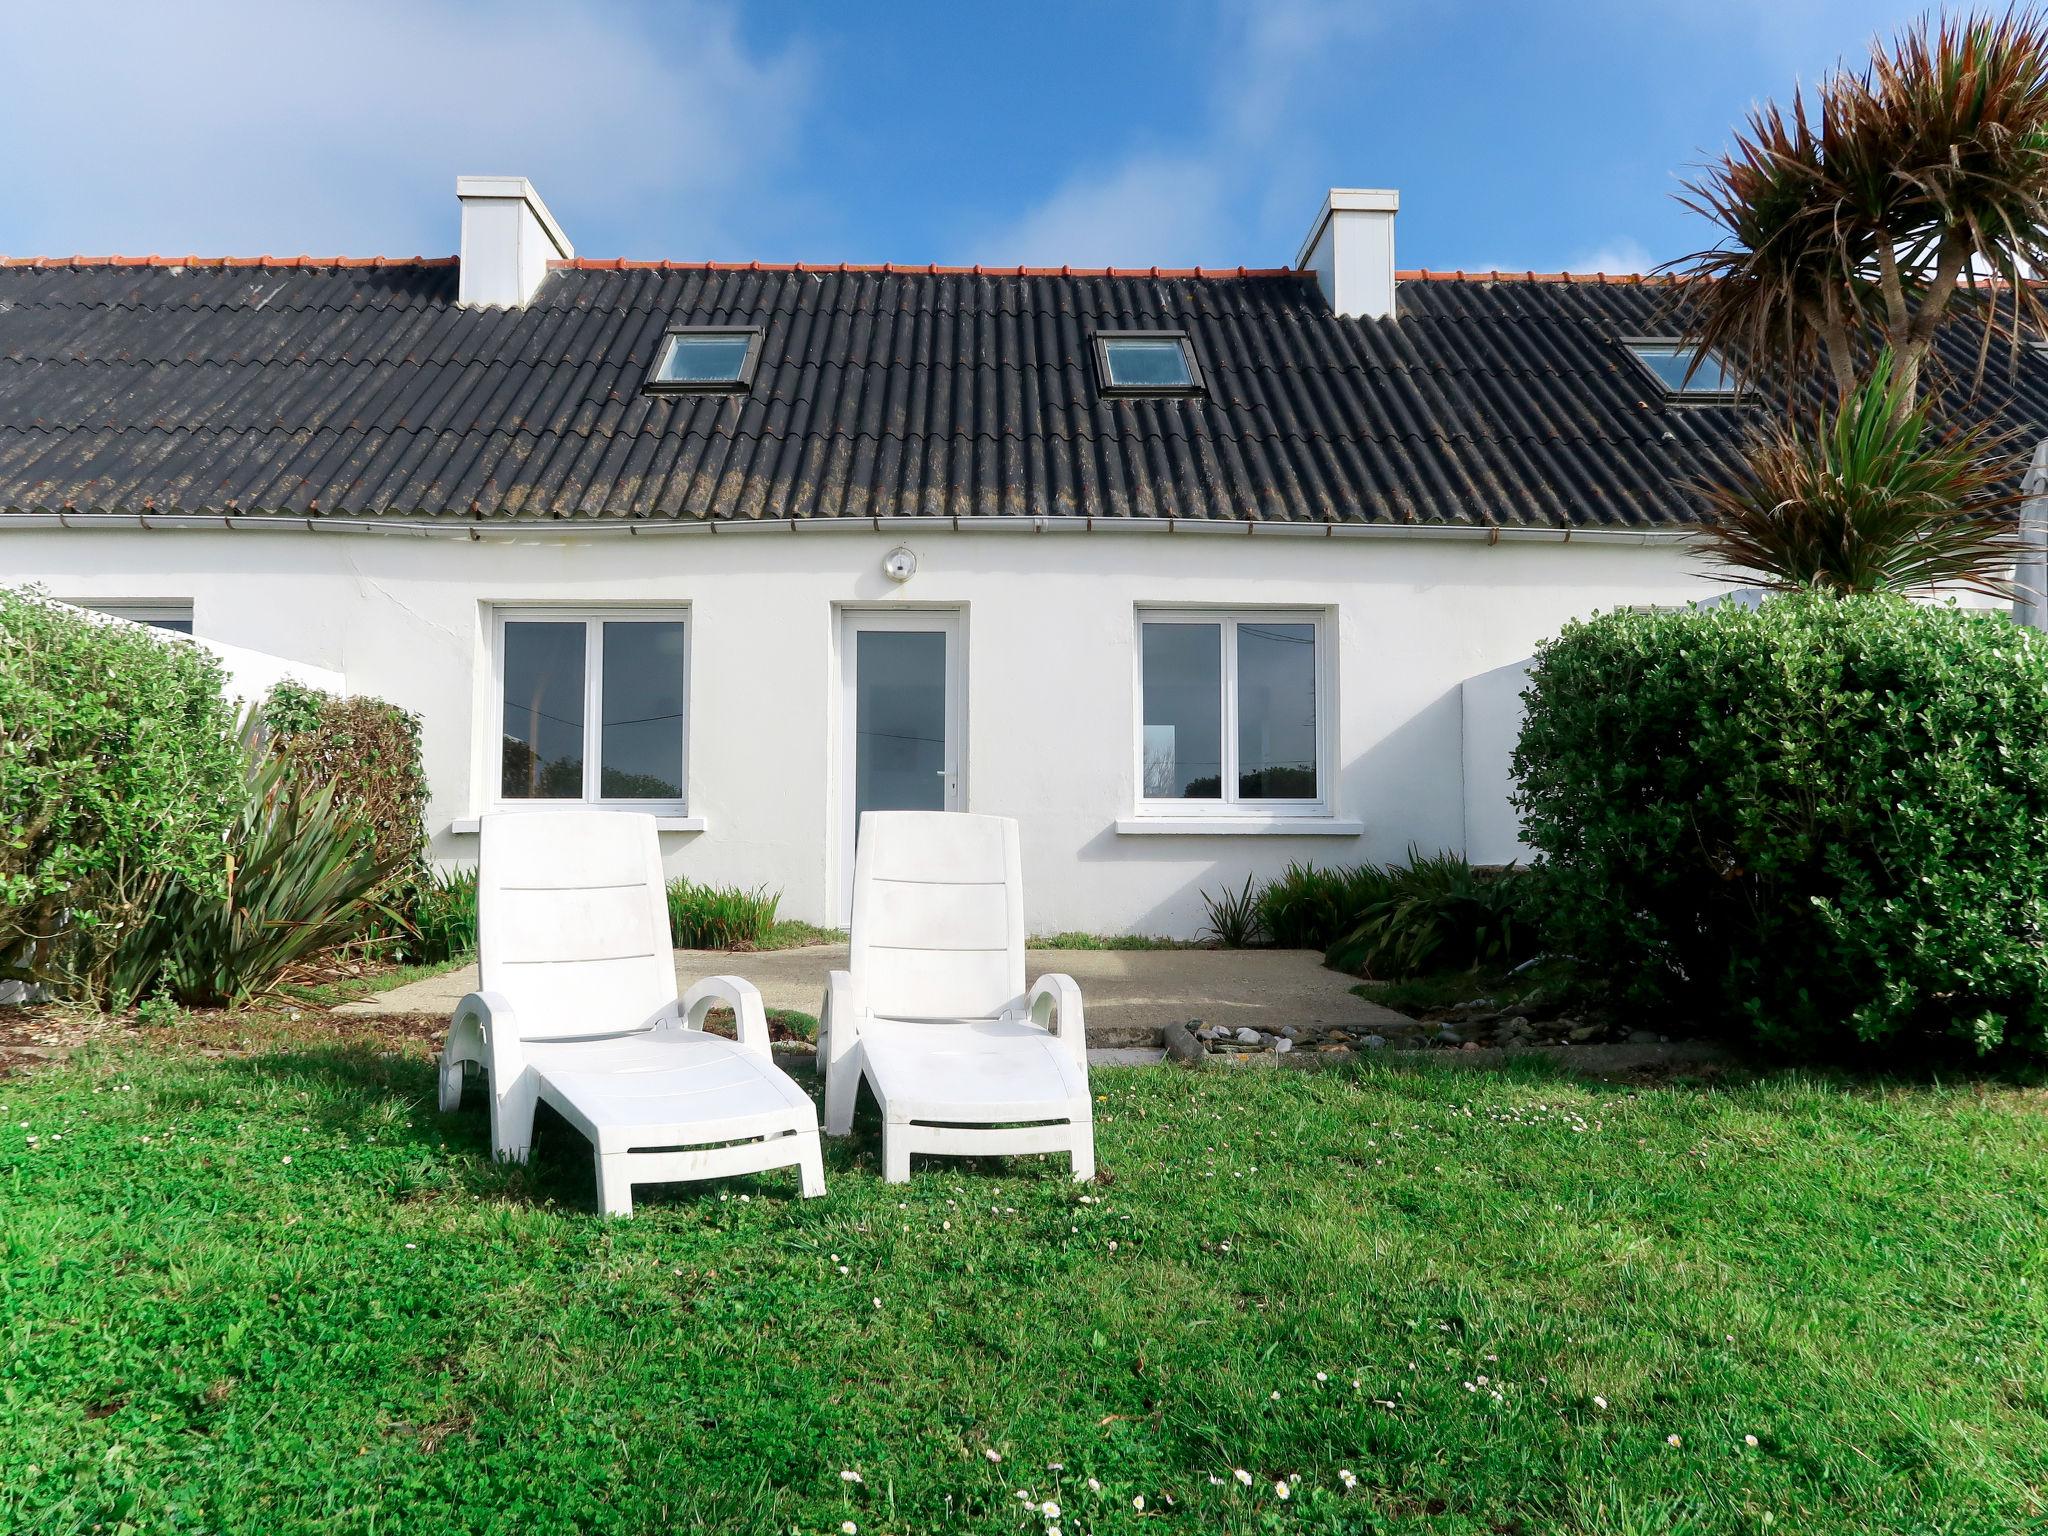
column 701, row 359
column 1146, row 363
column 593, row 707
column 173, row 617
column 1234, row 712
column 1683, row 371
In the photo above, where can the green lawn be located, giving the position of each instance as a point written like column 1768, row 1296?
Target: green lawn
column 278, row 1293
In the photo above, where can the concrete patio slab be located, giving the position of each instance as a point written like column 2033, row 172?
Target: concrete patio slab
column 1130, row 993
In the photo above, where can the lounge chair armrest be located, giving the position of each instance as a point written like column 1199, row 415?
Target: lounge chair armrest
column 485, row 1030
column 1054, row 1004
column 736, row 993
column 839, row 1018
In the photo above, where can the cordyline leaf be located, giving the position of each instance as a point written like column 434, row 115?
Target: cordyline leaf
column 1872, row 499
column 1852, row 228
column 306, row 873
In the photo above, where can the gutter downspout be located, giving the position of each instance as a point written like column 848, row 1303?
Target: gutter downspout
column 2030, row 570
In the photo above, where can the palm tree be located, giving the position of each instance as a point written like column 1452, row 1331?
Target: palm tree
column 1852, row 229
column 1873, row 499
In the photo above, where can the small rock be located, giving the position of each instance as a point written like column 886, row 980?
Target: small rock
column 1584, row 1031
column 1183, row 1047
column 1282, row 1045
column 1374, row 1042
column 1644, row 1037
column 1289, row 1032
column 1469, row 1045
column 1249, row 1036
column 1450, row 1037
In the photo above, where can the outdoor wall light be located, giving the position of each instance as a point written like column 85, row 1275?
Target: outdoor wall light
column 900, row 564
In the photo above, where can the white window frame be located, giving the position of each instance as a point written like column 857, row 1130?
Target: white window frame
column 592, row 617
column 1231, row 807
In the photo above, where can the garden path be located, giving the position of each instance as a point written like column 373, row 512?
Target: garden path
column 1130, row 994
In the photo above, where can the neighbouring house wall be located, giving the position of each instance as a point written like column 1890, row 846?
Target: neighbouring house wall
column 1051, row 687
column 1491, row 703
column 252, row 674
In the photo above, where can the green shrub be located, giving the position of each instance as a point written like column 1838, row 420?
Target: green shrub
column 302, row 873
column 117, row 775
column 1310, row 907
column 1436, row 913
column 1824, row 821
column 440, row 909
column 720, row 917
column 370, row 751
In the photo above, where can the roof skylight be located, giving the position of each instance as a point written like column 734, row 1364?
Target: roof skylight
column 1146, row 363
column 1683, row 370
column 696, row 359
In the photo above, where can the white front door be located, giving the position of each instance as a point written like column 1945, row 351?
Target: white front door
column 903, row 706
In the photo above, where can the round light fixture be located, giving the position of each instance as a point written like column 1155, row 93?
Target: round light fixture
column 900, row 564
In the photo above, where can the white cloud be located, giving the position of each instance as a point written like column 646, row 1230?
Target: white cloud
column 1623, row 254
column 1285, row 46
column 245, row 127
column 1146, row 211
column 1182, row 206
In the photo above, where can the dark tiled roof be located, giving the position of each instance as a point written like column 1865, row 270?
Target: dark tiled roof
column 360, row 389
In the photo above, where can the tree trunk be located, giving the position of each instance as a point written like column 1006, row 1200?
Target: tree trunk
column 1911, row 340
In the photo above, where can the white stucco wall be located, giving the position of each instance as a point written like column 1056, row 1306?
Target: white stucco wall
column 1491, row 706
column 1051, row 706
column 250, row 675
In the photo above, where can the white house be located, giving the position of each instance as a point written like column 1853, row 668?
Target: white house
column 1193, row 572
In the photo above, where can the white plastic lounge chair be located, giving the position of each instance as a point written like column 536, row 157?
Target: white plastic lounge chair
column 579, row 1009
column 962, row 1060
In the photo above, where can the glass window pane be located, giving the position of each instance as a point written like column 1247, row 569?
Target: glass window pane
column 1276, row 711
column 543, row 752
column 640, row 741
column 899, row 712
column 1669, row 361
column 1161, row 364
column 704, row 359
column 1183, row 670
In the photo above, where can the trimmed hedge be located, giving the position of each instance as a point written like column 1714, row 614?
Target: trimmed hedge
column 1823, row 822
column 118, row 774
column 369, row 750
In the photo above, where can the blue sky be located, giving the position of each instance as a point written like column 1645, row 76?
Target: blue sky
column 1521, row 133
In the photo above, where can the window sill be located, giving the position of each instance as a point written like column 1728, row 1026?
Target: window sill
column 1236, row 826
column 469, row 826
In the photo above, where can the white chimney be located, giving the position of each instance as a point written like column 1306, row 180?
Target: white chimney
column 1351, row 250
column 508, row 239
